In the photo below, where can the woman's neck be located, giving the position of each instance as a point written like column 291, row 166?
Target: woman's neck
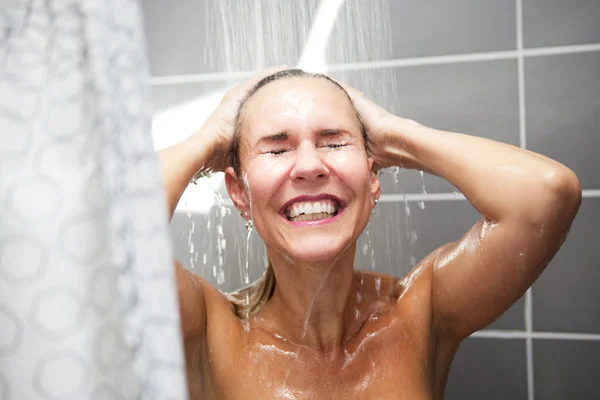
column 312, row 305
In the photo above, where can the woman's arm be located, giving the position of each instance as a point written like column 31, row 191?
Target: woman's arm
column 527, row 202
column 179, row 164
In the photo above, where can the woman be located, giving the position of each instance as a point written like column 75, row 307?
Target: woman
column 303, row 170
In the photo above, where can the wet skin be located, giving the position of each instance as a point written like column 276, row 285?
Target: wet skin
column 390, row 351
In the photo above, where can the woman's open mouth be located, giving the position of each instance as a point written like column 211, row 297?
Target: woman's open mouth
column 312, row 210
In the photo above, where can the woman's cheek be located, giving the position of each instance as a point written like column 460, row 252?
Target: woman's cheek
column 265, row 175
column 347, row 160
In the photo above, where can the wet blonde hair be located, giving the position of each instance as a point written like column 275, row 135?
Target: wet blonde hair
column 251, row 299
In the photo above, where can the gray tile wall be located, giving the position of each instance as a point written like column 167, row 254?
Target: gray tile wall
column 524, row 72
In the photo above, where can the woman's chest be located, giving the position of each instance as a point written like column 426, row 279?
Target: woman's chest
column 385, row 364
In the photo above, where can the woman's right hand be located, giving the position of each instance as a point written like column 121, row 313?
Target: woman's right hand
column 217, row 132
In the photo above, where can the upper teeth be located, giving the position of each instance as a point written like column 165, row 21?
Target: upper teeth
column 323, row 206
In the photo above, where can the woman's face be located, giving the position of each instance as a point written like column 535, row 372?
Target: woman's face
column 307, row 180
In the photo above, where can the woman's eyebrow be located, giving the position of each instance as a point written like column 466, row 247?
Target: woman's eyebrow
column 278, row 137
column 331, row 132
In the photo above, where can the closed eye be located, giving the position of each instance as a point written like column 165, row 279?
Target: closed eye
column 276, row 152
column 335, row 145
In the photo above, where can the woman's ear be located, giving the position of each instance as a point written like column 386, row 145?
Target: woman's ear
column 237, row 192
column 374, row 180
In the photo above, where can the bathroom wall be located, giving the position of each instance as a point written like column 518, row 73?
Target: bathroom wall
column 524, row 73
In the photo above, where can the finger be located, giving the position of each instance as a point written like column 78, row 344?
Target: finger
column 354, row 93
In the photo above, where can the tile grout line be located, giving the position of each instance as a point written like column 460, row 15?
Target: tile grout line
column 416, row 197
column 528, row 311
column 401, row 62
column 512, row 334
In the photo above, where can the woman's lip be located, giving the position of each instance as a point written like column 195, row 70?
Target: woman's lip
column 311, row 198
column 317, row 222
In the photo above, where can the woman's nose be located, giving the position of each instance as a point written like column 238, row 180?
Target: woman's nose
column 309, row 165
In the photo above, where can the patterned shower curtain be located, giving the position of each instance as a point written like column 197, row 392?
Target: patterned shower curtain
column 88, row 306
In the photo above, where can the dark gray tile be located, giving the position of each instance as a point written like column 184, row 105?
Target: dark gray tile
column 563, row 111
column 285, row 28
column 566, row 297
column 478, row 98
column 566, row 369
column 192, row 37
column 397, row 240
column 489, row 369
column 558, row 22
column 368, row 30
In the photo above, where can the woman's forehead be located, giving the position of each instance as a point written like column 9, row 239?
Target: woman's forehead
column 298, row 101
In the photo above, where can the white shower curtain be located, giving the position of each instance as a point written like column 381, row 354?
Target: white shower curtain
column 88, row 306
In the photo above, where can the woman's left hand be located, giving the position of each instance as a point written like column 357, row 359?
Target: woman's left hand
column 384, row 131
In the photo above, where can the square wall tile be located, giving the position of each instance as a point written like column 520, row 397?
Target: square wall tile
column 201, row 36
column 285, row 28
column 566, row 296
column 558, row 22
column 213, row 245
column 563, row 111
column 488, row 369
column 369, row 30
column 400, row 235
column 566, row 369
column 476, row 98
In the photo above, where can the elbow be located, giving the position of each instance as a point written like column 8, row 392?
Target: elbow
column 558, row 199
column 565, row 190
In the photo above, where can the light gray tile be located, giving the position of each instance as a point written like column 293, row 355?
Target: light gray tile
column 563, row 111
column 167, row 96
column 192, row 37
column 399, row 240
column 285, row 28
column 479, row 98
column 489, row 369
column 368, row 30
column 559, row 22
column 566, row 297
column 566, row 369
column 198, row 245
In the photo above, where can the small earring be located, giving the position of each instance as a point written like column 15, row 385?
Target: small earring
column 249, row 225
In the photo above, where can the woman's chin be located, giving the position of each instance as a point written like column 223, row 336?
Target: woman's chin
column 317, row 254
